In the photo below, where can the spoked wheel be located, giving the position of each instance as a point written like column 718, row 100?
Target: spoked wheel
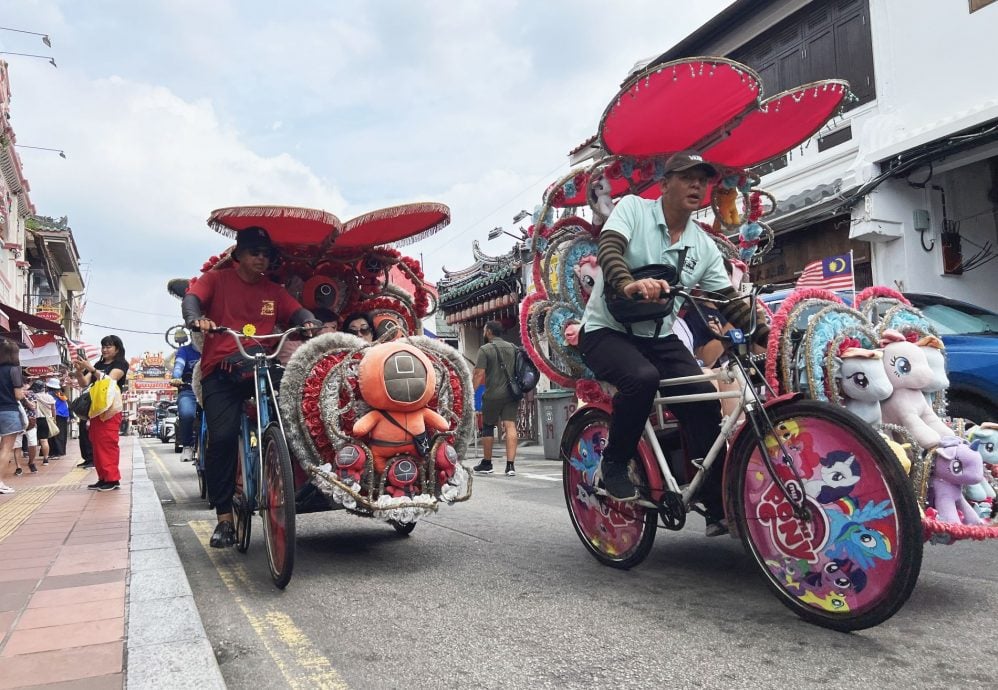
column 278, row 508
column 403, row 528
column 240, row 507
column 617, row 534
column 855, row 560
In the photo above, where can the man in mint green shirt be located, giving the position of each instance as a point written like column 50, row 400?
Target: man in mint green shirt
column 640, row 232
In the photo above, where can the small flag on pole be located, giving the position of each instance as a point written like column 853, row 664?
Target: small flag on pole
column 831, row 273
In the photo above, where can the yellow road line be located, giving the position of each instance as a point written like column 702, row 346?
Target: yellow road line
column 175, row 490
column 14, row 511
column 289, row 647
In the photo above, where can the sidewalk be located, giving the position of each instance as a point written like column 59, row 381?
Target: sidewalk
column 92, row 592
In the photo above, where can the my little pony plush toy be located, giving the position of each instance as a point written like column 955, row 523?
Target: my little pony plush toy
column 397, row 380
column 600, row 199
column 909, row 373
column 862, row 380
column 956, row 466
column 984, row 439
column 935, row 355
column 585, row 272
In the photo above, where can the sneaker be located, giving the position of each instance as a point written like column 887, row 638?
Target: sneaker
column 717, row 529
column 224, row 535
column 96, row 485
column 510, row 471
column 109, row 486
column 616, row 479
column 46, row 461
column 31, row 466
column 484, row 467
column 18, row 472
column 188, row 454
column 86, row 465
column 4, row 489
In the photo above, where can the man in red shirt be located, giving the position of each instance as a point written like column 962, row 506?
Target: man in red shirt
column 233, row 298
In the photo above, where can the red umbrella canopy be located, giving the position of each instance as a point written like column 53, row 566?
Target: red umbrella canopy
column 675, row 105
column 781, row 123
column 288, row 226
column 396, row 225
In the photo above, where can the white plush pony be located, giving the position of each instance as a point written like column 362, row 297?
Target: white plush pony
column 600, row 199
column 909, row 373
column 935, row 354
column 863, row 383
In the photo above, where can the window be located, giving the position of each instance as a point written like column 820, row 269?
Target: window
column 828, row 40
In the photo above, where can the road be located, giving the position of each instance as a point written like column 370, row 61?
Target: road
column 498, row 592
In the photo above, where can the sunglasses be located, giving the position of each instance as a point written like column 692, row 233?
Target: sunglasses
column 258, row 251
column 363, row 330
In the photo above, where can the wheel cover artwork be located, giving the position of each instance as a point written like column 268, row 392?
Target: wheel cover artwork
column 612, row 528
column 847, row 557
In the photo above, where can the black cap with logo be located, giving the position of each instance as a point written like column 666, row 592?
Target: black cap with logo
column 687, row 160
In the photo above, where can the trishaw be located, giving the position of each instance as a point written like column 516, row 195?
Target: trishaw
column 831, row 503
column 308, row 436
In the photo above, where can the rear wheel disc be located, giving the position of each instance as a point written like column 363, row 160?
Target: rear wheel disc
column 616, row 534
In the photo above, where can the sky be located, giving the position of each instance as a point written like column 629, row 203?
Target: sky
column 168, row 109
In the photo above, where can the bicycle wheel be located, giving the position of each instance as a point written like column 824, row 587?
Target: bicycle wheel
column 854, row 563
column 617, row 534
column 241, row 506
column 403, row 528
column 278, row 509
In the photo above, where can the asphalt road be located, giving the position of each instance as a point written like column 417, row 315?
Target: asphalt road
column 498, row 592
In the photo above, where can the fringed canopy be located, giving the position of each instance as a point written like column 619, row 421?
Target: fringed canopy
column 286, row 225
column 395, row 225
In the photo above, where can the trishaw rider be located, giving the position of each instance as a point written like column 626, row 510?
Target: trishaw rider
column 234, row 298
column 639, row 233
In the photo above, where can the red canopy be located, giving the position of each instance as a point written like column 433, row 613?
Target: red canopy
column 781, row 123
column 398, row 225
column 286, row 225
column 673, row 106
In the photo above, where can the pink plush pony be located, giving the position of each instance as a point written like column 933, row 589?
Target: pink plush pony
column 909, row 372
column 956, row 466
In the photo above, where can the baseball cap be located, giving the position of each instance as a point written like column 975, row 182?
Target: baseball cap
column 686, row 160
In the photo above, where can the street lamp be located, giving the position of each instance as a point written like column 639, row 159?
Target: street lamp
column 45, row 37
column 521, row 215
column 496, row 231
column 43, row 57
column 62, row 154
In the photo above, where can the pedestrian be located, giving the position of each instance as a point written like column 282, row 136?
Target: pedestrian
column 11, row 391
column 493, row 367
column 28, row 439
column 360, row 325
column 44, row 419
column 86, row 447
column 236, row 298
column 103, row 428
column 61, row 415
column 635, row 356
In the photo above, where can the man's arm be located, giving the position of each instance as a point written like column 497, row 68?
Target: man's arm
column 481, row 364
column 737, row 312
column 478, row 378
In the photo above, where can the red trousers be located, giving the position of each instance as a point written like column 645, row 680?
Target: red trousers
column 104, row 437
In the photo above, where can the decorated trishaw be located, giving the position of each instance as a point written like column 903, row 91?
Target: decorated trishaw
column 835, row 528
column 377, row 429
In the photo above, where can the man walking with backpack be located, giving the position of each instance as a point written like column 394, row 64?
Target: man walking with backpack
column 494, row 368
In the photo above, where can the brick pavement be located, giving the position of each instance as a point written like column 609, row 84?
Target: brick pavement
column 68, row 599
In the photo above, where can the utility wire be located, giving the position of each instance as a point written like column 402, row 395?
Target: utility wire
column 125, row 330
column 136, row 311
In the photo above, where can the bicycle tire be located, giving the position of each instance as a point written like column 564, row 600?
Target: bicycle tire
column 240, row 506
column 278, row 509
column 856, row 564
column 202, row 484
column 619, row 535
column 403, row 528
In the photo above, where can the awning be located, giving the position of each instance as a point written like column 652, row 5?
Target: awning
column 16, row 317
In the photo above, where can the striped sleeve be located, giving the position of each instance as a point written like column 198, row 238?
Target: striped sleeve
column 610, row 254
column 739, row 314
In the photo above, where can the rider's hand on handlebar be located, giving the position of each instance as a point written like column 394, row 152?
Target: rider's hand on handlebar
column 176, row 382
column 204, row 325
column 312, row 328
column 647, row 289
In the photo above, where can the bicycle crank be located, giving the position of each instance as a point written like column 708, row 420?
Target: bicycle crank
column 672, row 510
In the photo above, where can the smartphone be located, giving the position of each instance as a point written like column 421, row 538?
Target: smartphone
column 81, row 353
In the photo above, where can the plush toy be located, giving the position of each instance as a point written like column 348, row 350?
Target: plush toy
column 984, row 439
column 956, row 466
column 586, row 271
column 862, row 381
column 397, row 380
column 726, row 206
column 909, row 372
column 935, row 354
column 600, row 199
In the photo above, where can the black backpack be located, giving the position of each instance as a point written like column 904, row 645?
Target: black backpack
column 525, row 375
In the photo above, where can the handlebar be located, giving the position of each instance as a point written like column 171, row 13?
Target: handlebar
column 238, row 337
column 709, row 296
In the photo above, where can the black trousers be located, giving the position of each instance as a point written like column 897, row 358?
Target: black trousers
column 86, row 448
column 57, row 444
column 223, row 404
column 635, row 366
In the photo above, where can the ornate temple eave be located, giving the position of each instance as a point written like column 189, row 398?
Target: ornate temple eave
column 505, row 278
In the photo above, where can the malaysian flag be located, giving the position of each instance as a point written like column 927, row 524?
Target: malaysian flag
column 831, row 273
